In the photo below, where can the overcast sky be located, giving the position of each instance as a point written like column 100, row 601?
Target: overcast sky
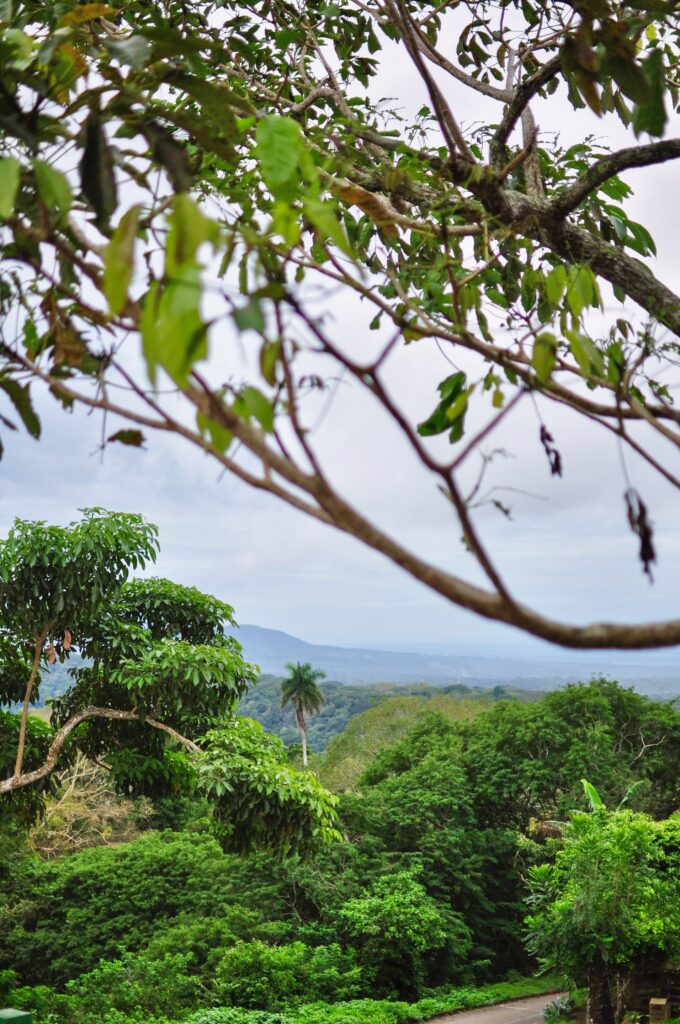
column 567, row 549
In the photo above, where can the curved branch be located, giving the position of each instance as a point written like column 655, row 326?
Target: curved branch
column 48, row 766
column 608, row 166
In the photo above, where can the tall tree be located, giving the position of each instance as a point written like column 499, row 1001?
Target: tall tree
column 300, row 689
column 264, row 166
column 609, row 902
column 154, row 693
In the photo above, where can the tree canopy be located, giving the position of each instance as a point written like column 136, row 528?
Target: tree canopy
column 174, row 176
column 608, row 901
column 153, row 693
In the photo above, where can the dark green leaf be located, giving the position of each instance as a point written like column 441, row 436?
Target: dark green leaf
column 133, row 438
column 20, row 398
column 97, row 176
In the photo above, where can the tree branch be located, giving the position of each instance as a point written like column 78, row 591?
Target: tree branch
column 39, row 643
column 521, row 97
column 48, row 766
column 608, row 166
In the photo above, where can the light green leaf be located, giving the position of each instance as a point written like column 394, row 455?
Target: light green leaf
column 53, row 188
column 588, row 357
column 251, row 402
column 189, row 229
column 10, row 171
column 220, row 437
column 555, row 283
column 278, row 150
column 592, row 796
column 119, row 261
column 322, row 214
column 544, row 355
column 581, row 289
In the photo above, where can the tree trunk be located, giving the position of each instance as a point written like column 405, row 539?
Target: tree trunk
column 302, row 726
column 600, row 1009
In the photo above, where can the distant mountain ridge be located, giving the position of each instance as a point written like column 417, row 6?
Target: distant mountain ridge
column 272, row 648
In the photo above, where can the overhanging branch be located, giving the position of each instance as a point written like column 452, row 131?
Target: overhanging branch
column 48, row 766
column 608, row 166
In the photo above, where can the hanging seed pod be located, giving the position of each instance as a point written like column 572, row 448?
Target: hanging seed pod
column 67, row 640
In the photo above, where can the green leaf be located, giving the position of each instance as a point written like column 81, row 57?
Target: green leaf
column 581, row 289
column 20, row 398
column 592, row 796
column 10, row 172
column 452, row 390
column 189, row 229
column 213, row 98
column 269, row 359
column 588, row 357
column 322, row 214
column 555, row 283
column 133, row 438
column 133, row 50
column 629, row 77
column 119, row 261
column 53, row 188
column 650, row 115
column 544, row 355
column 249, row 317
column 278, row 150
column 251, row 402
column 220, row 437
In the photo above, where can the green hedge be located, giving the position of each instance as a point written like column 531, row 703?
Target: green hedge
column 130, row 991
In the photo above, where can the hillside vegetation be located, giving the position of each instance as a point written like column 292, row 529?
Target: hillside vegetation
column 417, row 911
column 351, row 752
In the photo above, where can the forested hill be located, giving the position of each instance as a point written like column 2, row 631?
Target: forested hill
column 342, row 702
column 271, row 649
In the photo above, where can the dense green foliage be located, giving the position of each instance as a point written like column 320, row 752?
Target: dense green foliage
column 422, row 905
column 607, row 901
column 156, row 674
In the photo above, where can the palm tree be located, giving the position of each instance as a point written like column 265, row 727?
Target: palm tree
column 300, row 689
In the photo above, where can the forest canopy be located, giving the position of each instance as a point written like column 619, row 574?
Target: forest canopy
column 188, row 182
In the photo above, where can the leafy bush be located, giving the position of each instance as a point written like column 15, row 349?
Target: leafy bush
column 400, row 929
column 137, row 987
column 236, row 1015
column 359, row 1011
column 257, row 976
column 85, row 907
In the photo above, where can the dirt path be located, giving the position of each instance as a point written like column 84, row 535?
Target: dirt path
column 520, row 1011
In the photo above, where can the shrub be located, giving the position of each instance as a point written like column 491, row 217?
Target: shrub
column 136, row 987
column 87, row 906
column 236, row 1015
column 257, row 976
